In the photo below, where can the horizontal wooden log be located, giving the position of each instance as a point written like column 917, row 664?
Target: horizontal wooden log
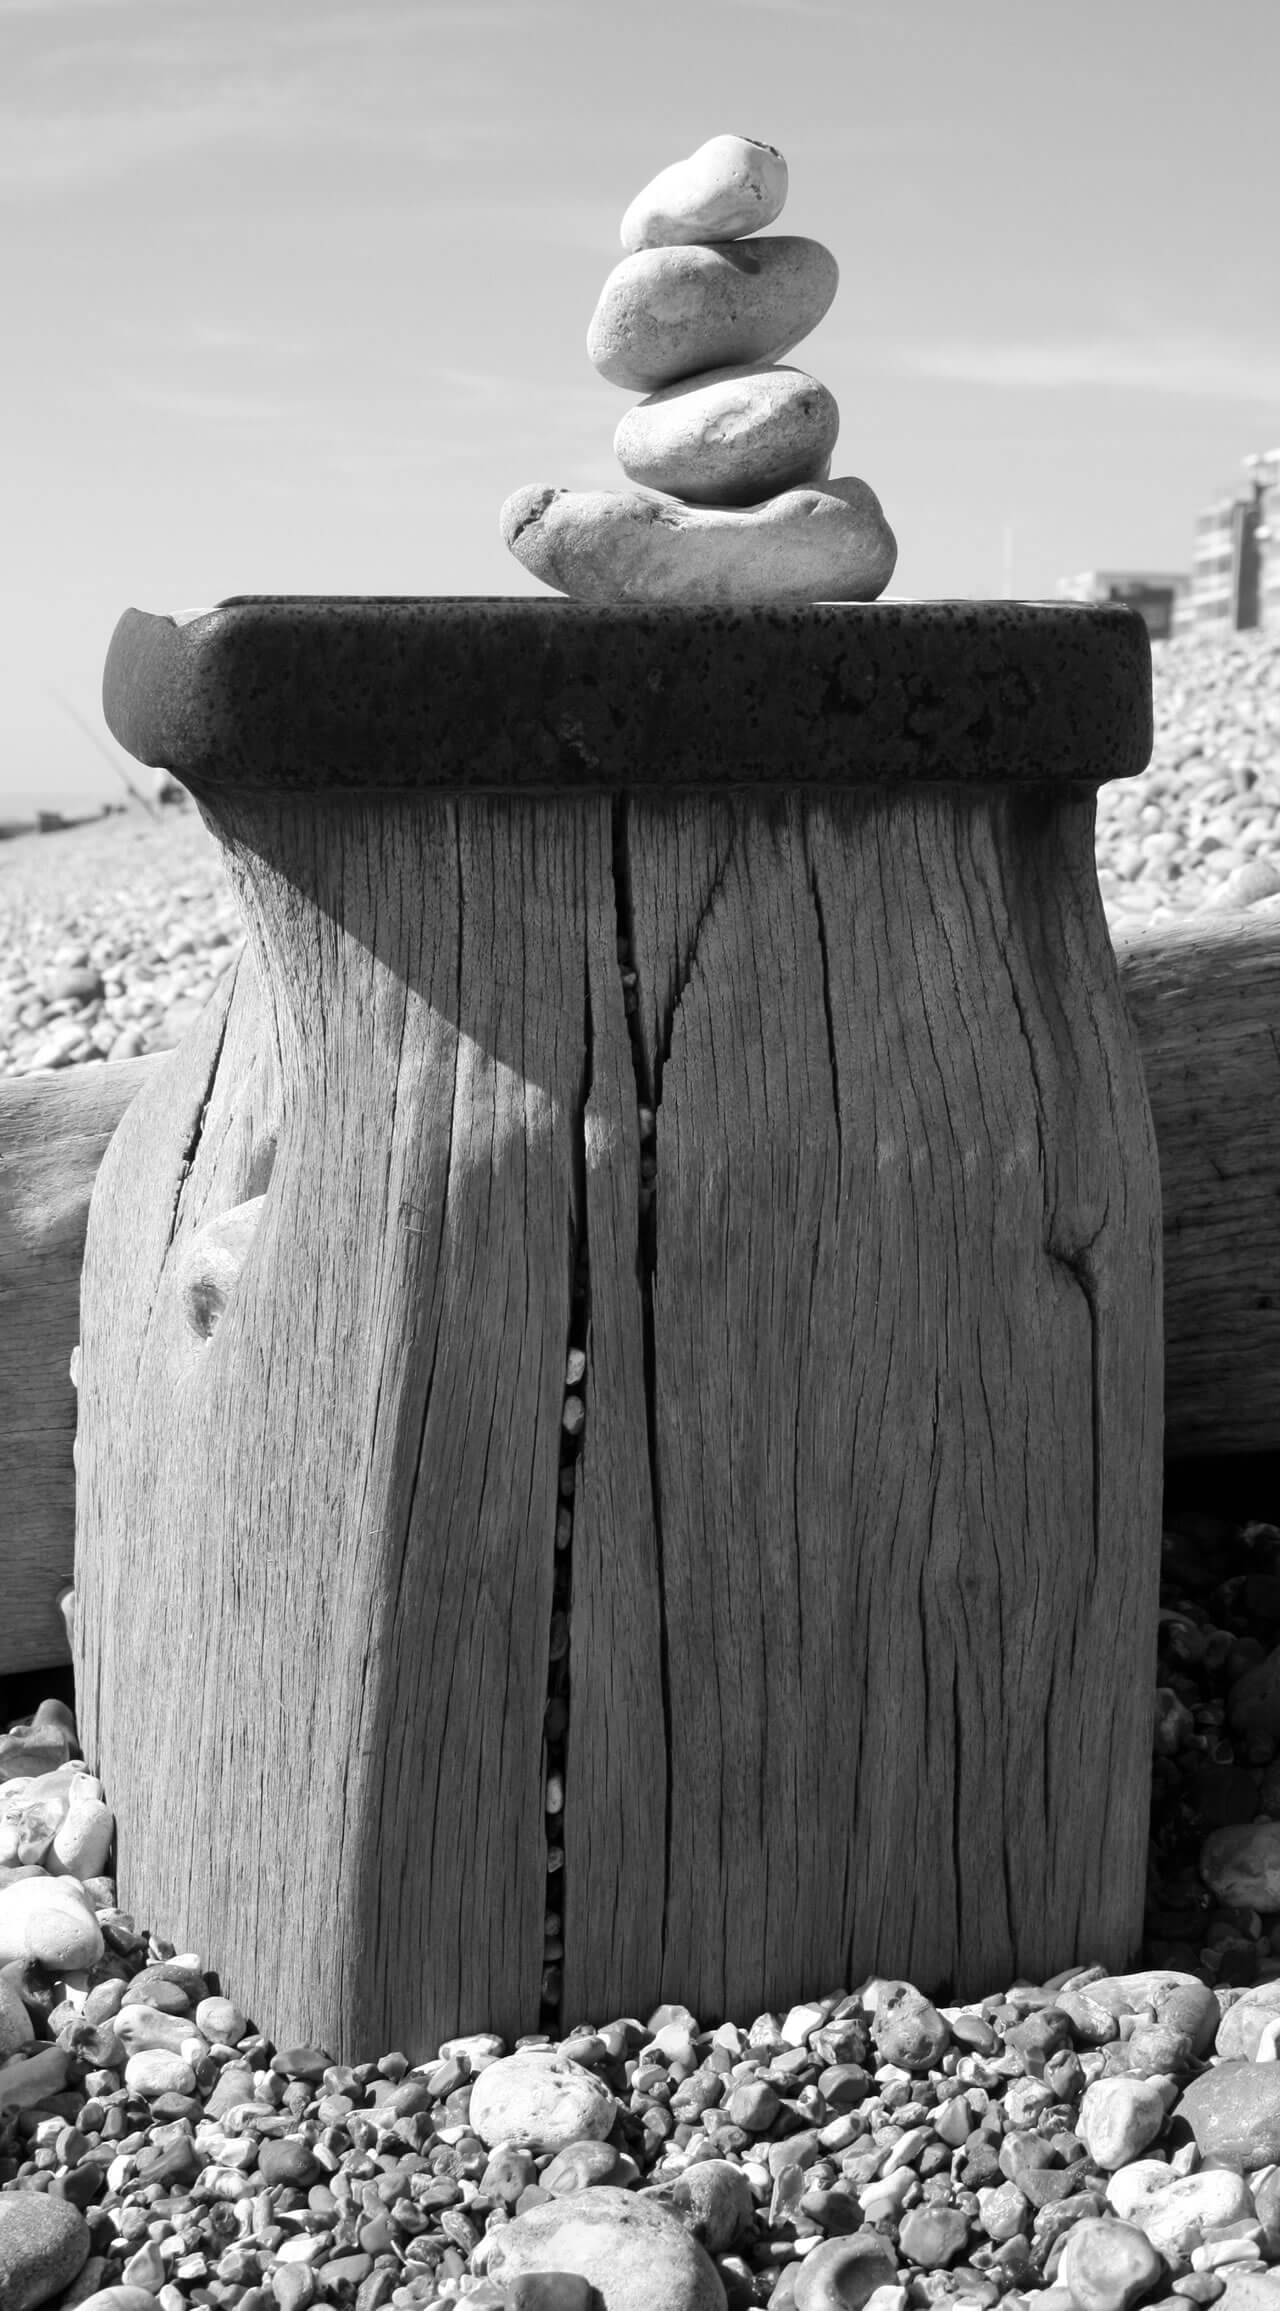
column 1204, row 996
column 54, row 1130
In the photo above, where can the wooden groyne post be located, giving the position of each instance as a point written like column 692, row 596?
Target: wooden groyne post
column 728, row 996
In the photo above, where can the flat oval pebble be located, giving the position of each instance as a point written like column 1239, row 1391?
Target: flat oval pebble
column 541, row 2100
column 631, row 2249
column 827, row 543
column 156, row 2072
column 1174, row 2211
column 665, row 314
column 1233, row 2111
column 731, row 185
column 50, row 1920
column 731, row 437
column 1108, row 2266
column 43, row 2243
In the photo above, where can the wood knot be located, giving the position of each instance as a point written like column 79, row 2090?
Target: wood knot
column 211, row 1263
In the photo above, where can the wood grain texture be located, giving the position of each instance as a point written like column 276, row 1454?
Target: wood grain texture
column 352, row 1484
column 865, row 1540
column 54, row 1129
column 1204, row 997
column 906, row 1305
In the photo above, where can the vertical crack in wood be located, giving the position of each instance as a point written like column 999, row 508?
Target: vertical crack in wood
column 815, row 894
column 648, row 1094
column 197, row 1132
column 557, row 1721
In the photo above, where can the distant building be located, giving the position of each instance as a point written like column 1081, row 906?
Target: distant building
column 1266, row 472
column 1160, row 597
column 1235, row 563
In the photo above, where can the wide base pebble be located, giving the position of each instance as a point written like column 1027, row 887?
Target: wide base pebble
column 828, row 543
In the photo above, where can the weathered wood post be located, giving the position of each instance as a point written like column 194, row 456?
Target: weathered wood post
column 865, row 1526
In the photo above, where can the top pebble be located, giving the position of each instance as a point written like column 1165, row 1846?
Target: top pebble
column 730, row 186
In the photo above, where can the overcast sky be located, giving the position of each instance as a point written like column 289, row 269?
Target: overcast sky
column 294, row 292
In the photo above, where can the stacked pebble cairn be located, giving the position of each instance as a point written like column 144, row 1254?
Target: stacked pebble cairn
column 1089, row 2143
column 728, row 454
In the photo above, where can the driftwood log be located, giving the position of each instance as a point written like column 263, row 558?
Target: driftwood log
column 1204, row 997
column 54, row 1130
column 864, row 1536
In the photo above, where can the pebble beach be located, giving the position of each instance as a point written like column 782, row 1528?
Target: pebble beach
column 1090, row 2143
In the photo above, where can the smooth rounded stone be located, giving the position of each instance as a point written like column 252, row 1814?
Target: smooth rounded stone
column 933, row 2236
column 17, row 2031
column 82, row 1845
column 828, row 543
column 713, row 2200
column 235, row 2085
column 665, row 314
column 1119, row 2118
column 119, row 2299
column 844, row 2274
column 1107, row 2266
column 1182, row 2000
column 581, row 2166
column 26, row 2079
column 222, row 2021
column 1155, row 2050
column 634, row 2252
column 50, row 1920
column 1233, row 2111
column 155, row 2072
column 145, row 2028
column 1249, row 2291
column 541, row 2100
column 907, row 2029
column 43, row 2243
column 1253, row 1701
column 549, row 2291
column 1003, row 2211
column 731, row 437
column 1240, row 2030
column 1175, row 2211
column 730, row 186
column 291, row 2161
column 1241, row 1865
